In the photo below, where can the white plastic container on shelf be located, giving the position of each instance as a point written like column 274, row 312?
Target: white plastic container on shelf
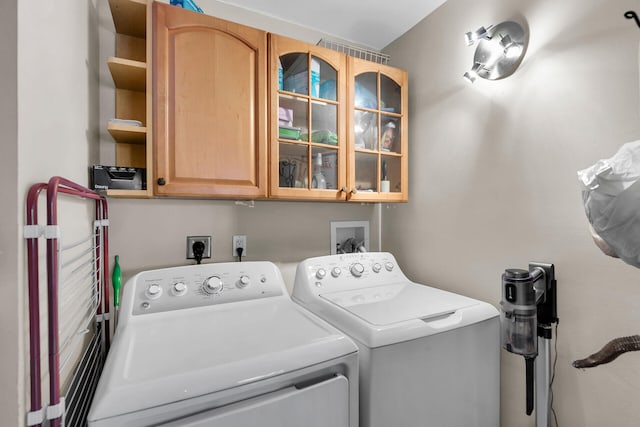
column 318, row 180
column 329, row 169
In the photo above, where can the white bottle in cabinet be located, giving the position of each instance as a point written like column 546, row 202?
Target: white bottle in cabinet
column 318, row 180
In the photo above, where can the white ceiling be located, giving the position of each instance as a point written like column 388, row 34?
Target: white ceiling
column 372, row 23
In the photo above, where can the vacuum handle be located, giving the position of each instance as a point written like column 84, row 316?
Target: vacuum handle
column 529, row 364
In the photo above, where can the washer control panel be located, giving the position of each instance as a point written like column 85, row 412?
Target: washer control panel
column 185, row 287
column 348, row 271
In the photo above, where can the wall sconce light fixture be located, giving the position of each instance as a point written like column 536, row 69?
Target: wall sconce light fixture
column 499, row 51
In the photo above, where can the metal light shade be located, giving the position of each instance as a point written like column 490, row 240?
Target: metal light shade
column 511, row 49
column 472, row 74
column 468, row 38
column 480, row 33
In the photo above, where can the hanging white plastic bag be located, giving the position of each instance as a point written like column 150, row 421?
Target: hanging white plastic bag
column 611, row 197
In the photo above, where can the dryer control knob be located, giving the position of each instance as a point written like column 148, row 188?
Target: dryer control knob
column 357, row 269
column 212, row 285
column 179, row 289
column 243, row 282
column 376, row 267
column 153, row 291
column 336, row 271
column 389, row 266
column 321, row 273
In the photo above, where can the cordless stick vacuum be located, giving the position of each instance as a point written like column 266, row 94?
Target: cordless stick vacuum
column 527, row 310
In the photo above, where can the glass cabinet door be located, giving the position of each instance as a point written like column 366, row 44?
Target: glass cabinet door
column 378, row 104
column 309, row 144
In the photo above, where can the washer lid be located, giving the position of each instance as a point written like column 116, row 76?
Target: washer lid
column 389, row 314
column 399, row 302
column 168, row 357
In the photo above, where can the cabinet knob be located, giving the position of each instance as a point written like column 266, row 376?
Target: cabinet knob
column 354, row 191
column 343, row 189
column 161, row 181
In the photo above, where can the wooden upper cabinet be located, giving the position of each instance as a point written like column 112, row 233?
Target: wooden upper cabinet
column 307, row 121
column 210, row 106
column 378, row 127
column 338, row 126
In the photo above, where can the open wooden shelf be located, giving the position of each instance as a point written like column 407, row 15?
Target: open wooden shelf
column 130, row 17
column 128, row 74
column 128, row 68
column 134, row 194
column 128, row 134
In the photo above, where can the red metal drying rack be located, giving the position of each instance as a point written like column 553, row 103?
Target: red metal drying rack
column 55, row 186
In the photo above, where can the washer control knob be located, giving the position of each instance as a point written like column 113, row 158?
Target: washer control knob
column 376, row 267
column 321, row 273
column 357, row 269
column 336, row 271
column 212, row 285
column 243, row 282
column 179, row 289
column 388, row 266
column 153, row 291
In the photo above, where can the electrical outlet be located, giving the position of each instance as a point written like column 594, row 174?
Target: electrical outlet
column 240, row 241
column 207, row 246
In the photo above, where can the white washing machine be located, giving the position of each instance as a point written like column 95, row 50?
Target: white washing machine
column 427, row 357
column 223, row 345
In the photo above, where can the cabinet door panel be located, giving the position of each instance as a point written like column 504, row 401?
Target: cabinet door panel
column 378, row 157
column 307, row 117
column 210, row 106
column 211, row 109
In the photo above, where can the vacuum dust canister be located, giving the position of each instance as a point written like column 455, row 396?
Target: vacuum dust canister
column 518, row 313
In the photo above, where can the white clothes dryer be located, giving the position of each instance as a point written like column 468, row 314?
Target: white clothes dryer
column 427, row 357
column 223, row 345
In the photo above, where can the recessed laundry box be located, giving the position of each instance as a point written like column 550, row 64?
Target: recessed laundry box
column 427, row 357
column 223, row 345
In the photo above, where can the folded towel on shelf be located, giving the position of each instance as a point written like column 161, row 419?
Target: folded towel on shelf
column 322, row 137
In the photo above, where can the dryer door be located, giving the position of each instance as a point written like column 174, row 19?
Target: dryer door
column 318, row 405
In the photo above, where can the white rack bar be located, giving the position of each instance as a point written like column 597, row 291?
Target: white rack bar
column 356, row 51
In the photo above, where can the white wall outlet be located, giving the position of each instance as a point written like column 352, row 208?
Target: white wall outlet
column 239, row 241
column 207, row 246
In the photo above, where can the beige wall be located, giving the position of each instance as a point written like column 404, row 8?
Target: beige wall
column 49, row 123
column 493, row 181
column 149, row 234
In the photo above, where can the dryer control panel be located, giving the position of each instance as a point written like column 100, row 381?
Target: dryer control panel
column 192, row 286
column 347, row 271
